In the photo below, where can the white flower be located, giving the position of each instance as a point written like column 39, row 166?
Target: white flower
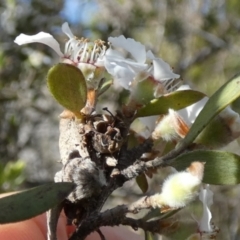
column 229, row 120
column 85, row 55
column 206, row 197
column 190, row 113
column 206, row 229
column 138, row 66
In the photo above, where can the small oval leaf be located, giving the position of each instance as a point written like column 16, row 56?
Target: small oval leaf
column 226, row 94
column 143, row 91
column 142, row 182
column 32, row 202
column 175, row 100
column 221, row 168
column 68, row 86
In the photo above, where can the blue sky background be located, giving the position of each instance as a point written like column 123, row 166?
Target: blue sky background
column 79, row 11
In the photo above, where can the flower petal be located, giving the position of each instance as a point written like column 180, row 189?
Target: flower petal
column 66, row 29
column 162, row 71
column 41, row 37
column 149, row 122
column 206, row 197
column 136, row 49
column 115, row 56
column 195, row 109
column 190, row 113
column 123, row 70
column 121, row 73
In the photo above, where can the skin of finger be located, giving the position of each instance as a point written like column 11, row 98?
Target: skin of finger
column 25, row 230
column 115, row 233
column 34, row 228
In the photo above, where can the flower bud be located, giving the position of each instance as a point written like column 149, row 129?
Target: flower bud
column 179, row 188
column 170, row 127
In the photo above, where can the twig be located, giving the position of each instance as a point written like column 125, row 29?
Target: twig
column 52, row 219
column 101, row 234
column 117, row 216
column 157, row 226
column 118, row 180
column 110, row 217
column 140, row 166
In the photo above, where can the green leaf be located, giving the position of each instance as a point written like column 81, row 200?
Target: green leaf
column 221, row 168
column 104, row 87
column 229, row 92
column 148, row 235
column 68, row 86
column 142, row 182
column 215, row 135
column 32, row 202
column 175, row 100
column 143, row 91
column 13, row 170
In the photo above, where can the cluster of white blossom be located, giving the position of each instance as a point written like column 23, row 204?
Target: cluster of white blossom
column 90, row 56
column 94, row 59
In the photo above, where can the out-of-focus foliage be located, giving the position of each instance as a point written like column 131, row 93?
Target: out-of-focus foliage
column 11, row 175
column 26, row 110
